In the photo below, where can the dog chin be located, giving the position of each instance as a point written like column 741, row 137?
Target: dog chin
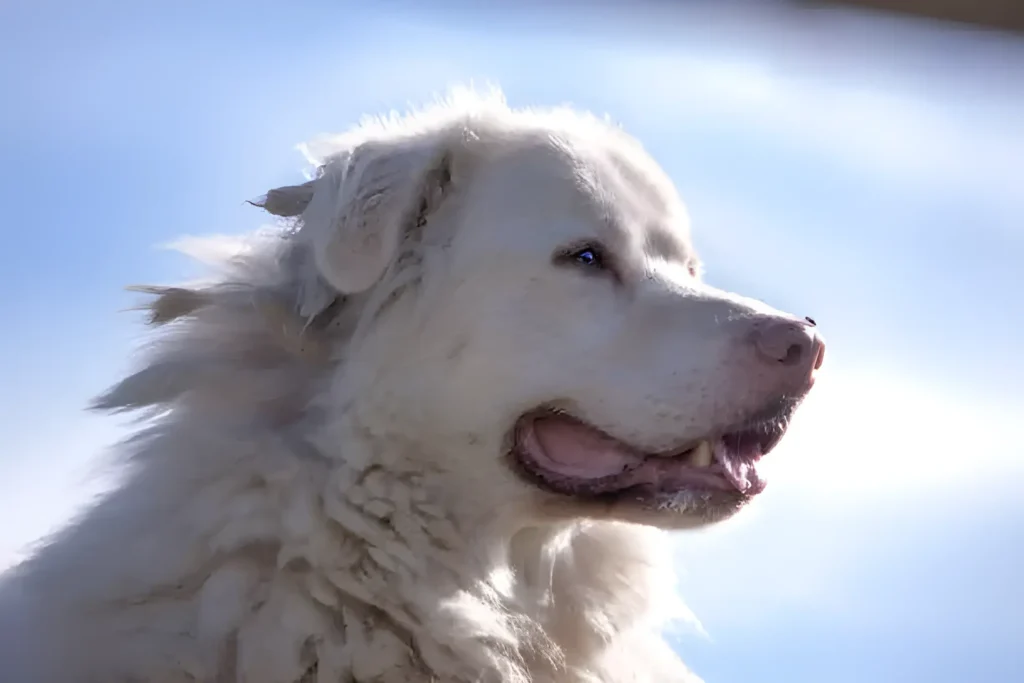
column 678, row 513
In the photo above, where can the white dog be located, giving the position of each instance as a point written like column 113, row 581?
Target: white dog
column 427, row 431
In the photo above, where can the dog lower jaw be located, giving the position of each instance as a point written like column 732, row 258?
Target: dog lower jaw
column 562, row 455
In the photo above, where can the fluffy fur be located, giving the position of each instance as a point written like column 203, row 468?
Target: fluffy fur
column 320, row 489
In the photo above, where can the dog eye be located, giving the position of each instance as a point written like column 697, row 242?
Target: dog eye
column 588, row 256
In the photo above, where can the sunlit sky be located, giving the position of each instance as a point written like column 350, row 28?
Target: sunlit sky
column 866, row 173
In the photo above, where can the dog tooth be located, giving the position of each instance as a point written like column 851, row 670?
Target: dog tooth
column 701, row 456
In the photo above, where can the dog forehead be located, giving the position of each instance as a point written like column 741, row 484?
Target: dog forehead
column 572, row 189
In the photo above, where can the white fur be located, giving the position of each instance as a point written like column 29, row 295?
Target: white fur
column 320, row 491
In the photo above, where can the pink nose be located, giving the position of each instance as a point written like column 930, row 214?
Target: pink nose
column 792, row 343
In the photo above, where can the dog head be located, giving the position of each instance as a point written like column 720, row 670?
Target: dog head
column 534, row 320
column 504, row 306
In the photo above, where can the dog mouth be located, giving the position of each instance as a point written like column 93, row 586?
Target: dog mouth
column 563, row 454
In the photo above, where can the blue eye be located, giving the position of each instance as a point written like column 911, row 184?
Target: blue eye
column 590, row 257
column 587, row 256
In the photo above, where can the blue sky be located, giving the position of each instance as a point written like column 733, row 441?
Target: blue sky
column 866, row 173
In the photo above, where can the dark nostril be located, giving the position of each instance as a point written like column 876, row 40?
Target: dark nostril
column 810, row 321
column 787, row 342
column 793, row 354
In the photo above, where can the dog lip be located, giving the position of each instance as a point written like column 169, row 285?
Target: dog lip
column 770, row 421
column 737, row 448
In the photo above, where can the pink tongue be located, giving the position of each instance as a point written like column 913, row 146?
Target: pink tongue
column 573, row 450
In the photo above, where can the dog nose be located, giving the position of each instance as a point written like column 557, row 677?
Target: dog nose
column 791, row 343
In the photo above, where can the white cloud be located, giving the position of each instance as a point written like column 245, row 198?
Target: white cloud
column 859, row 437
column 872, row 128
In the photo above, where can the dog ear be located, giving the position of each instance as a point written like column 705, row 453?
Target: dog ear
column 287, row 201
column 356, row 212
